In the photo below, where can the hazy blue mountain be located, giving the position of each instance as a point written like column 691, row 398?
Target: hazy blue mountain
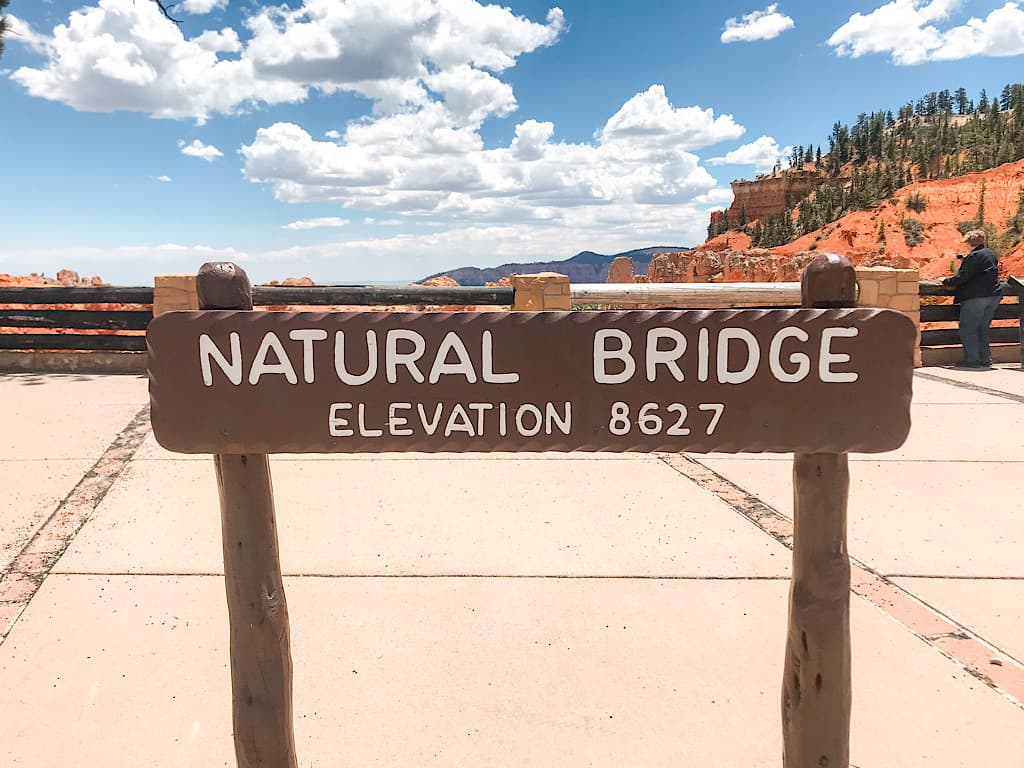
column 584, row 267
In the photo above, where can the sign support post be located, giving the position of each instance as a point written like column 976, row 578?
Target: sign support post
column 816, row 688
column 260, row 642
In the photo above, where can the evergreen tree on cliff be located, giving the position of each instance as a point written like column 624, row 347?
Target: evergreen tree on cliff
column 3, row 24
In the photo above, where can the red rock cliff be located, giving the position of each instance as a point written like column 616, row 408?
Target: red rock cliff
column 770, row 195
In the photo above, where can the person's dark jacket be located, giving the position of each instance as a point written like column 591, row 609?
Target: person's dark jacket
column 978, row 276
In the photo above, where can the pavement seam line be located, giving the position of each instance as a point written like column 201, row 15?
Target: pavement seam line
column 426, row 576
column 970, row 387
column 967, row 649
column 23, row 577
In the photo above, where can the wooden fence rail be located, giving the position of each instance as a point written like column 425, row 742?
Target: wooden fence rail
column 376, row 295
column 687, row 295
column 30, row 307
column 106, row 294
column 118, row 328
column 933, row 339
column 79, row 319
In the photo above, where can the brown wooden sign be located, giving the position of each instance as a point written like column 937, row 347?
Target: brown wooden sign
column 718, row 380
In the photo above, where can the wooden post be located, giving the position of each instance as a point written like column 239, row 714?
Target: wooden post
column 260, row 645
column 816, row 692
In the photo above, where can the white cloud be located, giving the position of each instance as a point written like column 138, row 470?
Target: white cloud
column 123, row 55
column 907, row 31
column 428, row 162
column 762, row 153
column 203, row 6
column 206, row 152
column 757, row 25
column 649, row 118
column 164, row 179
column 22, row 32
column 323, row 221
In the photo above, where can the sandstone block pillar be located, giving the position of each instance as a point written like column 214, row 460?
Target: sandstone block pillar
column 892, row 289
column 543, row 292
column 174, row 292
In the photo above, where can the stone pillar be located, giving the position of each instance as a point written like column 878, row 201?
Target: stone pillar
column 543, row 292
column 892, row 289
column 174, row 292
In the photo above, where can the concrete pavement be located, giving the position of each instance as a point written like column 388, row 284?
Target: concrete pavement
column 504, row 610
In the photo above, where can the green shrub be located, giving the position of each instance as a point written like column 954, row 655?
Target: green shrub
column 913, row 232
column 916, row 202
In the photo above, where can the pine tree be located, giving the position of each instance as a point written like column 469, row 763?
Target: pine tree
column 3, row 24
column 1006, row 98
column 961, row 101
column 983, row 102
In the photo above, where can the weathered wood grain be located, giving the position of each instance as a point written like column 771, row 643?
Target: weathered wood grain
column 816, row 686
column 260, row 641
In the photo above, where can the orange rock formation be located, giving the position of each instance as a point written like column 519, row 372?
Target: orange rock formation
column 858, row 235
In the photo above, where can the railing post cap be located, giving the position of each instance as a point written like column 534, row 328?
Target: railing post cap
column 829, row 281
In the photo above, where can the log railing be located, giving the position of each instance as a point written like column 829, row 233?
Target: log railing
column 686, row 295
column 950, row 313
column 68, row 319
column 50, row 318
column 378, row 295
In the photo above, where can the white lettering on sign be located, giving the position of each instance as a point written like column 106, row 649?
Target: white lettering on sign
column 529, row 419
column 669, row 357
column 208, row 349
column 730, row 356
column 307, row 336
column 737, row 358
column 800, row 359
column 283, row 366
column 746, row 373
column 371, row 360
column 828, row 357
column 602, row 354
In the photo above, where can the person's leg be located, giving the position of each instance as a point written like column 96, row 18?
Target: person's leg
column 971, row 311
column 987, row 313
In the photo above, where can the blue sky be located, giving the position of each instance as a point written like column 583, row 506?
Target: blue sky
column 361, row 140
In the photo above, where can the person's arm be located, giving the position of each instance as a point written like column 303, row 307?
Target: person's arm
column 970, row 267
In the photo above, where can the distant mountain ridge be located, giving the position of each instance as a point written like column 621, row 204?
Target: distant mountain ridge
column 584, row 267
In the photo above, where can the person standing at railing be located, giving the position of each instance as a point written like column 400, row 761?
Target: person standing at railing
column 978, row 293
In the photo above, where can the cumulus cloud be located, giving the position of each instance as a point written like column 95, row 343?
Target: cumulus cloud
column 164, row 179
column 206, row 152
column 757, row 25
column 433, row 71
column 762, row 153
column 323, row 221
column 199, row 7
column 909, row 32
column 123, row 55
column 428, row 162
column 648, row 117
